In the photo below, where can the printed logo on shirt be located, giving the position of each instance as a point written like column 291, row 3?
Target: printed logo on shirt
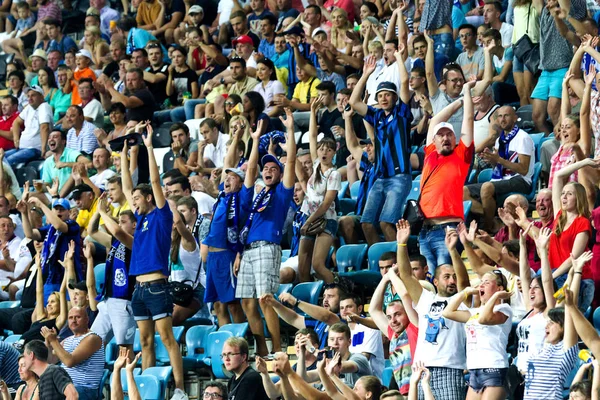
column 145, row 226
column 358, row 338
column 435, row 321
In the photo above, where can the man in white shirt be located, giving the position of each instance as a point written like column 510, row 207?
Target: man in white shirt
column 101, row 161
column 9, row 250
column 388, row 73
column 214, row 145
column 364, row 340
column 513, row 158
column 80, row 134
column 92, row 109
column 491, row 16
column 31, row 129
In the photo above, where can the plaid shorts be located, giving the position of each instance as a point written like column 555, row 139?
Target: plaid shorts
column 446, row 384
column 259, row 271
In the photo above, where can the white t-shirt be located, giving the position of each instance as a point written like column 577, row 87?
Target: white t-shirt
column 531, row 332
column 13, row 249
column 520, row 144
column 95, row 111
column 224, row 9
column 441, row 342
column 517, row 304
column 23, row 257
column 367, row 340
column 486, row 344
column 389, row 73
column 217, row 153
column 374, row 80
column 30, row 137
column 268, row 92
column 205, row 203
column 315, row 193
column 187, row 268
column 100, row 179
column 506, row 31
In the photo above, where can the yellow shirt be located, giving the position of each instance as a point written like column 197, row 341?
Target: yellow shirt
column 304, row 91
column 84, row 216
column 147, row 13
column 117, row 210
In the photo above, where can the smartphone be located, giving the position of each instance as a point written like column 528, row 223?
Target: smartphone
column 347, row 108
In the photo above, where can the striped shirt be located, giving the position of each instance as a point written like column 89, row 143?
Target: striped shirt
column 9, row 364
column 368, row 178
column 87, row 373
column 86, row 141
column 547, row 371
column 392, row 141
column 50, row 10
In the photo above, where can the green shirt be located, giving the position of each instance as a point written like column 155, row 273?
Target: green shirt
column 49, row 170
column 60, row 103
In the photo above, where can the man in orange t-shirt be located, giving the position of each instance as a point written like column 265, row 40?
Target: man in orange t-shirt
column 444, row 173
column 83, row 58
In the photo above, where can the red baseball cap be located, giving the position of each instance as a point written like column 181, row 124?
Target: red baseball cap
column 244, row 39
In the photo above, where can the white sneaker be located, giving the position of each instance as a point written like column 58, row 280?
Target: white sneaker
column 179, row 395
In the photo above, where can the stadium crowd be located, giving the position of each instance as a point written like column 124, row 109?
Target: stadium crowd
column 300, row 199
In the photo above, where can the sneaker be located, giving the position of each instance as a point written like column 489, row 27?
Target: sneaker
column 179, row 395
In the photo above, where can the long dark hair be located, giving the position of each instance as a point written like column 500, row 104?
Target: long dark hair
column 269, row 64
column 325, row 142
column 51, row 77
column 258, row 102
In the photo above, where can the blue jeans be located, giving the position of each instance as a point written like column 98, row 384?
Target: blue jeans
column 443, row 44
column 162, row 116
column 586, row 291
column 190, row 105
column 433, row 246
column 178, row 114
column 86, row 393
column 152, row 300
column 386, row 199
column 21, row 156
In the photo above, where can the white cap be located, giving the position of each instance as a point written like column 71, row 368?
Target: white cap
column 84, row 53
column 443, row 125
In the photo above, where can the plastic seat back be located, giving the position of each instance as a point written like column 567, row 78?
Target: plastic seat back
column 351, row 256
column 163, row 374
column 376, row 251
column 239, row 330
column 308, row 291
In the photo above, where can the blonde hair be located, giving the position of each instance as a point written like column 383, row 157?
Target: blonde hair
column 94, row 30
column 583, row 209
column 244, row 121
column 375, row 45
column 336, row 32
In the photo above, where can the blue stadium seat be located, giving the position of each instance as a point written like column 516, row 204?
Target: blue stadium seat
column 537, row 169
column 236, row 329
column 485, row 175
column 168, row 161
column 587, row 313
column 149, row 387
column 472, row 177
column 595, row 319
column 99, row 273
column 285, row 254
column 10, row 304
column 417, row 178
column 538, row 149
column 415, row 191
column 103, row 380
column 387, row 376
column 163, row 375
column 111, row 352
column 376, row 251
column 196, row 342
column 162, row 137
column 308, row 291
column 347, row 206
column 354, row 189
column 25, row 174
column 467, row 208
column 343, row 190
column 284, row 288
column 537, row 138
column 216, row 340
column 136, row 372
column 351, row 256
column 162, row 355
column 12, row 339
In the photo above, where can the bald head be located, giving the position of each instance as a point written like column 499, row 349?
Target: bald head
column 507, row 117
column 516, row 200
column 78, row 320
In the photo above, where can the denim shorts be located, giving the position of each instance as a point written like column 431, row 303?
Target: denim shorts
column 432, row 245
column 487, row 377
column 152, row 300
column 331, row 228
column 386, row 199
column 443, row 44
column 518, row 65
column 549, row 85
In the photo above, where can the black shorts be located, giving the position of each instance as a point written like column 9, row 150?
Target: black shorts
column 502, row 188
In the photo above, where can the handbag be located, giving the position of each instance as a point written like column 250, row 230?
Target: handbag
column 413, row 213
column 316, row 227
column 182, row 292
column 527, row 51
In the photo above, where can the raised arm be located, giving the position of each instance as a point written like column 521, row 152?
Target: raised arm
column 405, row 93
column 159, row 196
column 462, row 276
column 101, row 237
column 443, row 116
column 356, row 98
column 352, row 142
column 376, row 307
column 524, row 270
column 39, row 312
column 432, row 82
column 317, row 312
column 51, row 217
column 272, row 390
column 252, row 169
column 542, row 242
column 585, row 137
column 412, row 284
column 90, row 277
column 126, row 180
column 560, row 180
column 452, row 312
column 487, row 315
column 468, row 115
column 289, row 316
column 115, row 230
column 312, row 128
column 289, row 172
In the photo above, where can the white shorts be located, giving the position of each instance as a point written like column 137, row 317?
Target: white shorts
column 292, row 263
column 116, row 316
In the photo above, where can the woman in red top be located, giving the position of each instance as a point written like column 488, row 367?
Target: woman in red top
column 572, row 230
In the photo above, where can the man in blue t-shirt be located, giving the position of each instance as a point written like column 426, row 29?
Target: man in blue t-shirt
column 152, row 302
column 391, row 123
column 59, row 231
column 259, row 268
column 223, row 239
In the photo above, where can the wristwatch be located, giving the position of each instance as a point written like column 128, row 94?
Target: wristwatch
column 222, row 81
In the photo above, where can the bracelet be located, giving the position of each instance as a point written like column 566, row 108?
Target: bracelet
column 466, row 296
column 579, row 272
column 56, row 197
column 401, row 244
column 298, row 301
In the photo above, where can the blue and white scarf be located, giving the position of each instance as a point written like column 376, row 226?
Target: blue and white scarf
column 260, row 203
column 504, row 143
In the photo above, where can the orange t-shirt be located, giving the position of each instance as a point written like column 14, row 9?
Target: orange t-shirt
column 77, row 75
column 442, row 195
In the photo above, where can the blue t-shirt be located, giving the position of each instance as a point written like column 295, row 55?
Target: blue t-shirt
column 152, row 242
column 267, row 49
column 217, row 234
column 56, row 244
column 368, row 178
column 268, row 224
column 392, row 145
column 458, row 19
column 299, row 220
column 320, row 328
column 63, row 46
column 117, row 282
column 438, row 65
column 508, row 56
column 281, row 60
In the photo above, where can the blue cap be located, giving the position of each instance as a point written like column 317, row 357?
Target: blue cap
column 64, row 203
column 294, row 30
column 267, row 158
column 387, row 87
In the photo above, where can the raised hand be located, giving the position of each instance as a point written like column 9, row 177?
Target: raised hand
column 523, row 234
column 521, row 216
column 259, row 129
column 288, row 122
column 148, row 136
column 370, row 65
column 122, row 359
column 470, row 234
column 53, row 190
column 87, row 250
column 131, row 365
column 543, row 239
column 261, row 365
column 590, row 75
column 506, row 217
column 451, row 238
column 579, row 262
column 316, row 105
column 402, row 231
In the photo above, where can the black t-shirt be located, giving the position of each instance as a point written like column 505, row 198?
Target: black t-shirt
column 144, row 112
column 328, row 120
column 247, row 387
column 158, row 89
column 176, row 6
column 112, row 71
column 209, row 73
column 182, row 81
column 53, row 382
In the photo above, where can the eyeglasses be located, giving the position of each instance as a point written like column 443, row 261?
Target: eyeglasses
column 207, row 395
column 500, row 275
column 456, row 80
column 153, row 46
column 229, row 355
